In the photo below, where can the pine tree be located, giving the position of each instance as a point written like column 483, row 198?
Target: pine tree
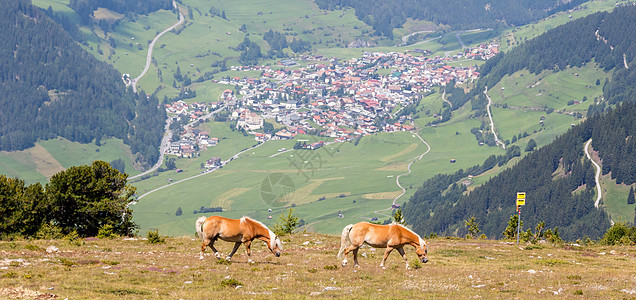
column 630, row 197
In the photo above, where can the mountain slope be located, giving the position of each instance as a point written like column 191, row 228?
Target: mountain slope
column 50, row 86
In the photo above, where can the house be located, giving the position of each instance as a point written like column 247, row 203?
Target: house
column 213, row 162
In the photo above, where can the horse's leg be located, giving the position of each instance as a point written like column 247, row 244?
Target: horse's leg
column 203, row 246
column 236, row 246
column 346, row 251
column 248, row 251
column 401, row 251
column 386, row 254
column 216, row 252
column 355, row 257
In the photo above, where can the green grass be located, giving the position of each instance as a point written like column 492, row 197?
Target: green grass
column 615, row 200
column 36, row 164
column 351, row 171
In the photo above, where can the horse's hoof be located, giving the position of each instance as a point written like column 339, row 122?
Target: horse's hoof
column 229, row 258
column 344, row 263
column 250, row 262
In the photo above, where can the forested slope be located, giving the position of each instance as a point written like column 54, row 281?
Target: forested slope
column 383, row 16
column 607, row 38
column 50, row 86
column 558, row 179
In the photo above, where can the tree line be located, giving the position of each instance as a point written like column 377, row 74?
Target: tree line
column 85, row 8
column 51, row 87
column 82, row 199
column 384, row 16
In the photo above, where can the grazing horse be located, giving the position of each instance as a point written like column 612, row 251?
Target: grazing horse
column 243, row 230
column 393, row 236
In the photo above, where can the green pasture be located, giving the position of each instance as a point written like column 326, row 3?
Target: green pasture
column 61, row 152
column 58, row 6
column 19, row 164
column 614, row 200
column 69, row 153
column 341, row 173
column 550, row 89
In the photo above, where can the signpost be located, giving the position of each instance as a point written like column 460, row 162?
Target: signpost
column 521, row 200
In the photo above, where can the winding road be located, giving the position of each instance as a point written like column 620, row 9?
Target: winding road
column 492, row 123
column 397, row 179
column 598, row 173
column 152, row 45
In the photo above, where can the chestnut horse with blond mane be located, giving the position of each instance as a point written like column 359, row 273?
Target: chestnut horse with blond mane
column 243, row 230
column 392, row 236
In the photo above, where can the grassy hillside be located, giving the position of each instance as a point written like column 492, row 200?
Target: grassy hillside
column 134, row 269
column 39, row 163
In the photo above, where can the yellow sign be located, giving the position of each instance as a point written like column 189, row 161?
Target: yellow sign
column 521, row 198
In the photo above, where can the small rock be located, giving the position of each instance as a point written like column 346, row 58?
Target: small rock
column 306, row 243
column 51, row 249
column 188, row 282
column 315, row 293
column 330, row 288
column 613, row 252
column 532, row 271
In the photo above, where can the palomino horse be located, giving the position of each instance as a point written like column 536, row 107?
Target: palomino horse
column 393, row 236
column 243, row 230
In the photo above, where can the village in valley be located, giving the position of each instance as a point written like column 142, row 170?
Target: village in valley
column 325, row 97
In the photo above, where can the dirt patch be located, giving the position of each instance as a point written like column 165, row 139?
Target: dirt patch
column 22, row 293
column 383, row 195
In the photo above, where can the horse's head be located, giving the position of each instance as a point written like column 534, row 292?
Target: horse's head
column 275, row 246
column 422, row 251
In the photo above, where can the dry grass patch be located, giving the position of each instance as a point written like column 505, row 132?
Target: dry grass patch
column 44, row 161
column 224, row 200
column 457, row 268
column 383, row 195
column 404, row 151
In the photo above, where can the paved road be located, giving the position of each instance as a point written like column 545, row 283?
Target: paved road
column 397, row 179
column 165, row 142
column 597, row 178
column 492, row 123
column 152, row 45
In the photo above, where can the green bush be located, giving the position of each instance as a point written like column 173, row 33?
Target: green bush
column 107, row 231
column 49, row 232
column 619, row 234
column 154, row 237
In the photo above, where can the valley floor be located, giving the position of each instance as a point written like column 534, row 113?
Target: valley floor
column 457, row 268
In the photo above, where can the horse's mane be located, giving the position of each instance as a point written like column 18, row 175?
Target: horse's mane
column 422, row 242
column 272, row 236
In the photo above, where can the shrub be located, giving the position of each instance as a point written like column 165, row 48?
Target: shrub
column 73, row 238
column 49, row 232
column 154, row 237
column 331, row 267
column 286, row 223
column 230, row 282
column 619, row 234
column 107, row 231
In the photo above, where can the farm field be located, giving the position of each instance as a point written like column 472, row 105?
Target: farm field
column 457, row 268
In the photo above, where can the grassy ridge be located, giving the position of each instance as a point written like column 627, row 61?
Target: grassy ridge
column 134, row 269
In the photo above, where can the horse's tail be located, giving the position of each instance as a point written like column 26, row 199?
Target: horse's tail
column 344, row 240
column 199, row 226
